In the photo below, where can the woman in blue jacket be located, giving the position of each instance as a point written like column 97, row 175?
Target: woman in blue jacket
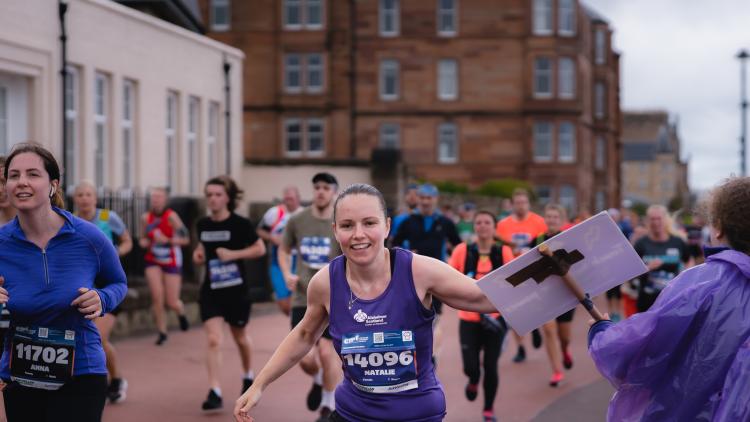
column 53, row 361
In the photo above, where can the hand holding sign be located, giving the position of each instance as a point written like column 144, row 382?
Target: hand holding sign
column 560, row 267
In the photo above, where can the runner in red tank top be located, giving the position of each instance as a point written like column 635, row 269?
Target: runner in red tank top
column 162, row 235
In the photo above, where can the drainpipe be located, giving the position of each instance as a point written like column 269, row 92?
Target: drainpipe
column 62, row 9
column 353, row 78
column 227, row 117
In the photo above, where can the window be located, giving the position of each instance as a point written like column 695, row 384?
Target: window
column 542, row 141
column 213, row 131
column 303, row 13
column 390, row 134
column 446, row 17
column 171, row 138
column 309, row 65
column 566, row 83
column 314, row 69
column 566, row 142
column 600, row 46
column 447, row 143
column 315, row 140
column 293, row 136
column 389, row 19
column 568, row 198
column 192, row 144
column 220, row 15
column 128, row 147
column 71, row 125
column 292, row 73
column 600, row 201
column 292, row 14
column 566, row 17
column 600, row 160
column 447, row 79
column 304, row 137
column 101, row 94
column 314, row 14
column 3, row 120
column 542, row 77
column 542, row 17
column 389, row 70
column 543, row 194
column 599, row 100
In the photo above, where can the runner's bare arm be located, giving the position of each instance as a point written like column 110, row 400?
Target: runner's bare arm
column 181, row 235
column 296, row 344
column 199, row 254
column 458, row 291
column 143, row 241
column 126, row 243
column 255, row 250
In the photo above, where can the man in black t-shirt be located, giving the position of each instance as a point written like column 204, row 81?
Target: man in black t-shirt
column 665, row 256
column 226, row 239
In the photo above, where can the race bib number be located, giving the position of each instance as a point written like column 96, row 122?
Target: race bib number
column 162, row 254
column 42, row 357
column 522, row 241
column 380, row 361
column 4, row 317
column 223, row 274
column 315, row 251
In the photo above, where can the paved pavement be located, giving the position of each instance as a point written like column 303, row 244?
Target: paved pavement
column 168, row 383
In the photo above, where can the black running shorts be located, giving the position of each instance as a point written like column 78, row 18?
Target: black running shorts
column 235, row 312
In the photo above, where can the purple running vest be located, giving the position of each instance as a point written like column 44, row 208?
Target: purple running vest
column 385, row 345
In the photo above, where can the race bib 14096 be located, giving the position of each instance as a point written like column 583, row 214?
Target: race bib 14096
column 380, row 361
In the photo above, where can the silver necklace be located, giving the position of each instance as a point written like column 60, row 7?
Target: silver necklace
column 352, row 298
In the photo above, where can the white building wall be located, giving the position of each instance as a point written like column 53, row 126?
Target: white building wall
column 123, row 44
column 265, row 183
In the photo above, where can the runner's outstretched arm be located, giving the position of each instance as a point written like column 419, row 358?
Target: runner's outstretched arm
column 294, row 347
column 450, row 286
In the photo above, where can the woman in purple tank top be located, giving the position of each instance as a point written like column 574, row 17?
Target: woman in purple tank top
column 378, row 306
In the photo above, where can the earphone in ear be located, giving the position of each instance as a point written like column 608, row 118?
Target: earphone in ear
column 52, row 192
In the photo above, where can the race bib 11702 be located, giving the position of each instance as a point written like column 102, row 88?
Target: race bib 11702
column 42, row 357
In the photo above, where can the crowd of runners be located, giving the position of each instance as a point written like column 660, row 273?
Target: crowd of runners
column 363, row 291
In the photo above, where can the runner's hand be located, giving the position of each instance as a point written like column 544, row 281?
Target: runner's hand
column 199, row 257
column 654, row 264
column 224, row 254
column 592, row 321
column 159, row 237
column 291, row 281
column 88, row 303
column 3, row 292
column 246, row 402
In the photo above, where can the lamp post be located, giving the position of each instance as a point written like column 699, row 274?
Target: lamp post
column 743, row 55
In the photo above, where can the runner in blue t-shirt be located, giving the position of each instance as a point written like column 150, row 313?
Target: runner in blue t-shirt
column 113, row 227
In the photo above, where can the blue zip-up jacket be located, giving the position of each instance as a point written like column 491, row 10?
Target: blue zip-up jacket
column 41, row 285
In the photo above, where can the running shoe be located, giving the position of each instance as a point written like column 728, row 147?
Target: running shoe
column 213, row 402
column 471, row 391
column 520, row 355
column 325, row 415
column 184, row 325
column 161, row 339
column 314, row 397
column 567, row 359
column 536, row 339
column 117, row 389
column 557, row 377
column 489, row 416
column 246, row 383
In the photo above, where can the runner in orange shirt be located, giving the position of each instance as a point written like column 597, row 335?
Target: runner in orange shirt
column 480, row 332
column 518, row 231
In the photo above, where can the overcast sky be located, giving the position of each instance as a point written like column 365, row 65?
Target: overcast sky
column 679, row 55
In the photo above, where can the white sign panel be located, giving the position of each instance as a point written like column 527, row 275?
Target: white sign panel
column 608, row 260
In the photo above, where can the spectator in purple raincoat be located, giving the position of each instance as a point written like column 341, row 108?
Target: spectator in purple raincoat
column 688, row 356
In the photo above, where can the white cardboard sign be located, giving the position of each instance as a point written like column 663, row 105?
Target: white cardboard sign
column 608, row 261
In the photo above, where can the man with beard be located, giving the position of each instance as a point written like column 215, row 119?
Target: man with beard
column 310, row 232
